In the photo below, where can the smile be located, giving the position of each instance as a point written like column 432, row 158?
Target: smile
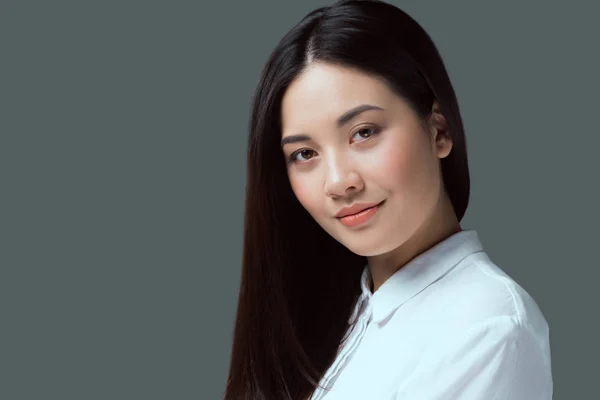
column 354, row 220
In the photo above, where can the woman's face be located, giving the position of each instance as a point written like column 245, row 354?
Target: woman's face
column 382, row 155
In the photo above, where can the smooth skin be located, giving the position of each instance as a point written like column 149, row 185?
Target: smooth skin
column 381, row 154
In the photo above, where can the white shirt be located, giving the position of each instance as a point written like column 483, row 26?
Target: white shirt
column 448, row 325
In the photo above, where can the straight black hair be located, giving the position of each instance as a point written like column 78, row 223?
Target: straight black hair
column 298, row 284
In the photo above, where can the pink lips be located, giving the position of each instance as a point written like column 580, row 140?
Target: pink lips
column 358, row 214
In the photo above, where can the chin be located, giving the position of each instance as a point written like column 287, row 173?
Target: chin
column 368, row 249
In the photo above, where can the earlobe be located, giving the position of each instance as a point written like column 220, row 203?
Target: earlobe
column 443, row 145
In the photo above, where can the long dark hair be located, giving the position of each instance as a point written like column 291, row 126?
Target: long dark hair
column 298, row 284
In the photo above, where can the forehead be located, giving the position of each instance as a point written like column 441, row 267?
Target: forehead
column 323, row 92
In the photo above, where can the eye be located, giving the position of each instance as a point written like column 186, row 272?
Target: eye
column 365, row 133
column 306, row 155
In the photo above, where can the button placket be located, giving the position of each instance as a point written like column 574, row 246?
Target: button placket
column 364, row 320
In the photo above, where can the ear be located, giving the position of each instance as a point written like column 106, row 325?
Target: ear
column 441, row 138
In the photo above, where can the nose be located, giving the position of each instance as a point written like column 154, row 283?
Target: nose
column 341, row 178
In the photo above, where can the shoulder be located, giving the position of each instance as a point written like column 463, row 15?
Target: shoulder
column 479, row 293
column 519, row 303
column 484, row 317
column 485, row 290
column 500, row 356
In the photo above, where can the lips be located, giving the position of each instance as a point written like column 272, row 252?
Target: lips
column 359, row 218
column 355, row 209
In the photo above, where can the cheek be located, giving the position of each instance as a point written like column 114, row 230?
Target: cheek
column 405, row 168
column 394, row 167
column 306, row 192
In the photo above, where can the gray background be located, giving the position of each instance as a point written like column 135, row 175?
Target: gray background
column 123, row 132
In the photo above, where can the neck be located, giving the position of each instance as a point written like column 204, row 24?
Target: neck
column 441, row 224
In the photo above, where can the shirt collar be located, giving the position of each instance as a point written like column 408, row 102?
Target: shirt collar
column 416, row 275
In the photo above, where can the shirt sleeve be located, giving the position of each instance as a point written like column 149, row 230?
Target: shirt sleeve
column 499, row 359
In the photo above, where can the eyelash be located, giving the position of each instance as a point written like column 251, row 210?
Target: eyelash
column 292, row 158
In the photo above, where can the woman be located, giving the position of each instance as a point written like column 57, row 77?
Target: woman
column 358, row 281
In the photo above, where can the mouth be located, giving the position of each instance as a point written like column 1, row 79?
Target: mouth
column 360, row 217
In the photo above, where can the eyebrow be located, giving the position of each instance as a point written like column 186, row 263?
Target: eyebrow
column 344, row 119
